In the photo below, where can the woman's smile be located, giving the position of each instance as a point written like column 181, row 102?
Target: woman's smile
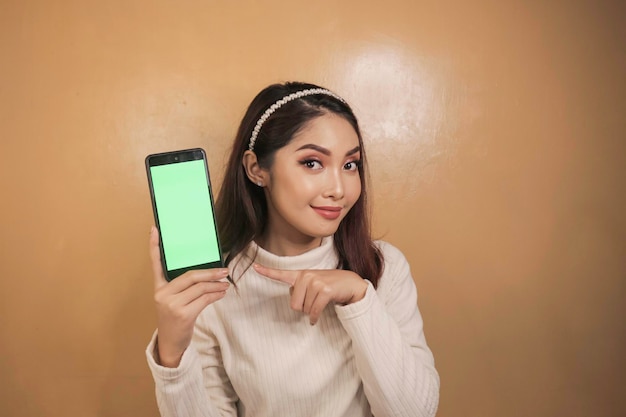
column 328, row 212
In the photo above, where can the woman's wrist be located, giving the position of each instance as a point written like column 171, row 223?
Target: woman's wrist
column 359, row 293
column 165, row 358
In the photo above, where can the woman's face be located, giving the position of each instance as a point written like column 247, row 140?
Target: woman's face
column 313, row 182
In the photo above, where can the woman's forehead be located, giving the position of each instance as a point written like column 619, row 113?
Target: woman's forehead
column 329, row 131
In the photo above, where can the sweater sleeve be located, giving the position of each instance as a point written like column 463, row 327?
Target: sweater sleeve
column 199, row 386
column 392, row 358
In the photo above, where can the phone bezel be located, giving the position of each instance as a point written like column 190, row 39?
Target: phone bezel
column 173, row 157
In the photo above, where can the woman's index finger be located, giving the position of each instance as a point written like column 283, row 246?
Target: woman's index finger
column 288, row 277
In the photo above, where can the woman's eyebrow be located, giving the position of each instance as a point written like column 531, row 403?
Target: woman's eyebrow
column 353, row 151
column 315, row 148
column 325, row 151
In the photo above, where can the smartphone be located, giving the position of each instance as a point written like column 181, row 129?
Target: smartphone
column 182, row 202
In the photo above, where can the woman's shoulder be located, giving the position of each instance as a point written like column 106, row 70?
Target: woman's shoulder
column 395, row 264
column 396, row 274
column 390, row 252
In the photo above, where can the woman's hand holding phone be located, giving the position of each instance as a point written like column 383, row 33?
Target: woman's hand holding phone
column 179, row 302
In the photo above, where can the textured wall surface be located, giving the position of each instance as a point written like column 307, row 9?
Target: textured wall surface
column 495, row 136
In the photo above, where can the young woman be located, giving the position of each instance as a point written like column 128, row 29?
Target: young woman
column 317, row 320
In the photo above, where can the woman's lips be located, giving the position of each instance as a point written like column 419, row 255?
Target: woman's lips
column 329, row 213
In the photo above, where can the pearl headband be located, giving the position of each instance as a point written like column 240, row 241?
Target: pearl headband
column 280, row 103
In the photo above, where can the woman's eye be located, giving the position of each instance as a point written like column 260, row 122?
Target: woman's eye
column 351, row 166
column 312, row 164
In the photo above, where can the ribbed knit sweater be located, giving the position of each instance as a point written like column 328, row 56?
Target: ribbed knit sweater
column 252, row 355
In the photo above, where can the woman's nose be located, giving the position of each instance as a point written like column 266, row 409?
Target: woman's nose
column 334, row 186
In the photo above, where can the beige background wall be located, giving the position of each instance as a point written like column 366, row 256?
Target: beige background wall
column 495, row 131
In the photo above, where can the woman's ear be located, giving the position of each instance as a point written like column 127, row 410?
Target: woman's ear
column 255, row 173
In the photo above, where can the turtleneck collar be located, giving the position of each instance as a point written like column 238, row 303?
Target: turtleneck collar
column 323, row 256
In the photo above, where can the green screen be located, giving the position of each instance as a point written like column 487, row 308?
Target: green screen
column 181, row 193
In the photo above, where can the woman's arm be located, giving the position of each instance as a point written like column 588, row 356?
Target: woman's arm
column 184, row 359
column 199, row 386
column 392, row 358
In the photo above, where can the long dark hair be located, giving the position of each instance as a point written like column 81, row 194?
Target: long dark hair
column 241, row 208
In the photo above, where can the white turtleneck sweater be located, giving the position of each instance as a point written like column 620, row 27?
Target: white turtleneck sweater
column 252, row 355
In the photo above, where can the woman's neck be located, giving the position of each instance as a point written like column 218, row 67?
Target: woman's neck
column 288, row 246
